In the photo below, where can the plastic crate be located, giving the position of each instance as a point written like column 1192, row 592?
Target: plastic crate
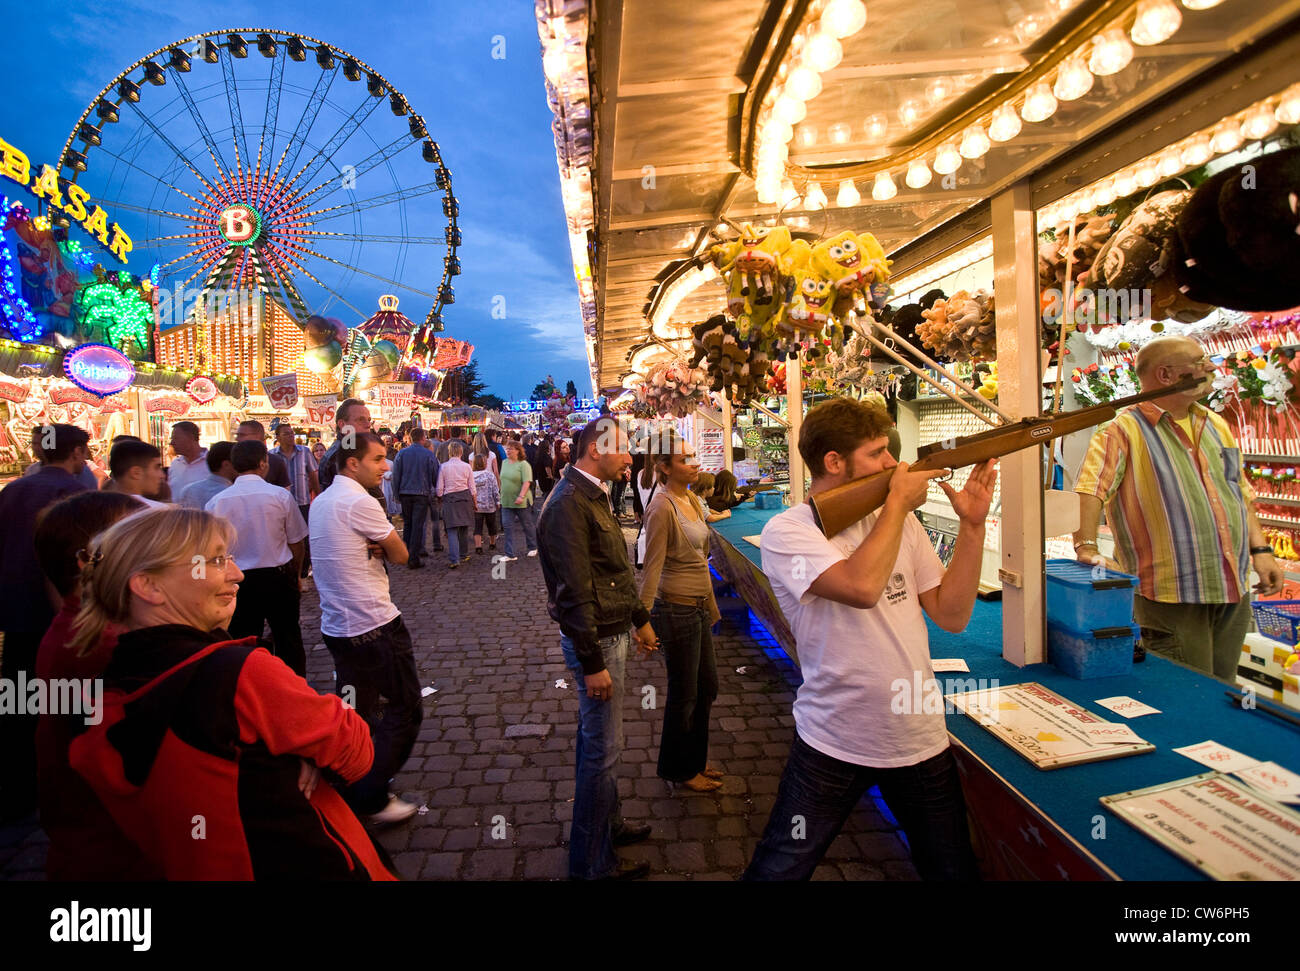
column 1278, row 619
column 1083, row 597
column 769, row 500
column 1101, row 653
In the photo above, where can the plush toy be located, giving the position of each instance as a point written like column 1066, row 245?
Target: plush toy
column 751, row 264
column 852, row 263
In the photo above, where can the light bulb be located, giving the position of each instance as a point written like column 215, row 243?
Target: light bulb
column 815, row 198
column 883, row 189
column 1201, row 4
column 789, row 109
column 1169, row 164
column 876, row 125
column 1125, row 184
column 803, row 83
column 768, row 191
column 918, row 174
column 1104, row 194
column 1066, row 210
column 1197, row 152
column 909, row 112
column 938, row 91
column 1288, row 108
column 1156, row 22
column 1259, row 123
column 1040, row 103
column 1005, row 124
column 1111, row 53
column 844, row 18
column 1226, row 138
column 848, row 196
column 947, row 159
column 554, row 61
column 1086, row 201
column 1147, row 174
column 789, row 195
column 975, row 143
column 1073, row 80
column 807, row 136
column 823, row 51
column 839, row 133
column 776, row 137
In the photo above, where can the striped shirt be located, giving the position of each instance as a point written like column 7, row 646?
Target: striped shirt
column 299, row 462
column 1178, row 512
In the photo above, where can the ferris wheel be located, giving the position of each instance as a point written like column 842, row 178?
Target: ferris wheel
column 262, row 159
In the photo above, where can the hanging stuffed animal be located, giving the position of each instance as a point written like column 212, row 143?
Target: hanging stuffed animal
column 852, row 262
column 751, row 264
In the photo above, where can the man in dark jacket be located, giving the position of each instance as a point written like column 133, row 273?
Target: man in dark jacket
column 415, row 474
column 591, row 594
column 26, row 609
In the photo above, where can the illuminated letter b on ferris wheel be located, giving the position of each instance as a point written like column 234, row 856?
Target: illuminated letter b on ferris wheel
column 238, row 224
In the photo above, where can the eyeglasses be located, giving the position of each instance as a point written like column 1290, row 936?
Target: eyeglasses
column 223, row 562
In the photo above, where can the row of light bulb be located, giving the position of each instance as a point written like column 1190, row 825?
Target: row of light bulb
column 1108, row 53
column 1258, row 121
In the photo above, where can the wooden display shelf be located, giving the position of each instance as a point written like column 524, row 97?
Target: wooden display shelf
column 1254, row 457
column 1283, row 523
column 1279, row 500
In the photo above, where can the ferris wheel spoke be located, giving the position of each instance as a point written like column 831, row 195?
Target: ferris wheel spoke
column 194, row 199
column 378, row 157
column 345, row 131
column 236, row 112
column 155, row 240
column 214, row 151
column 365, row 238
column 303, row 128
column 145, row 210
column 337, row 296
column 362, row 205
column 271, row 116
column 373, row 276
column 180, row 156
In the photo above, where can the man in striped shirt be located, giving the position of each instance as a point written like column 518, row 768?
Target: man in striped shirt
column 1169, row 475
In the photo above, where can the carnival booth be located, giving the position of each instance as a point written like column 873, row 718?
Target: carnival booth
column 981, row 219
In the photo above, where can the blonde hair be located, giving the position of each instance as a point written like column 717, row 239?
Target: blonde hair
column 141, row 543
column 481, row 444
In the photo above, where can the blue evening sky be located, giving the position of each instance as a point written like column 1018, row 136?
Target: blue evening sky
column 489, row 116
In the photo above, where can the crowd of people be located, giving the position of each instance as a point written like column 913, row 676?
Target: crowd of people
column 163, row 584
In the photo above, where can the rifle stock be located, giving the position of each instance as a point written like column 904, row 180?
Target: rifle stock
column 839, row 508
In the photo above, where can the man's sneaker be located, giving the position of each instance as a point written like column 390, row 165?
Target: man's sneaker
column 532, row 552
column 507, row 558
column 397, row 811
column 452, row 566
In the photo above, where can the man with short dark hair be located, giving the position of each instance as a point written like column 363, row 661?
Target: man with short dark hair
column 351, row 539
column 136, row 468
column 26, row 609
column 221, row 472
column 415, row 477
column 304, row 482
column 591, row 594
column 855, row 602
column 351, row 416
column 268, row 548
column 277, row 471
column 188, row 466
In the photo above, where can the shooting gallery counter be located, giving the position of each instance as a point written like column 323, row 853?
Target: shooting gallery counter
column 1040, row 824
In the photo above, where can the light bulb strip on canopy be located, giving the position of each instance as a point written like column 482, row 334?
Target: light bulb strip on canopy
column 1098, row 45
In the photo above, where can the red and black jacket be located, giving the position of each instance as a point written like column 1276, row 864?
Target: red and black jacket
column 198, row 755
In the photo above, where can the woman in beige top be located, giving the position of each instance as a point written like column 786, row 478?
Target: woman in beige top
column 677, row 587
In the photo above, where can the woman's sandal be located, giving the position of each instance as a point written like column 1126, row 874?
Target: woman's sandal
column 711, row 773
column 701, row 784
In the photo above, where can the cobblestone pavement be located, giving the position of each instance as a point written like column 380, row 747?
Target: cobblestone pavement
column 500, row 799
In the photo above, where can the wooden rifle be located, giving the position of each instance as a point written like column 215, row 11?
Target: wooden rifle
column 836, row 509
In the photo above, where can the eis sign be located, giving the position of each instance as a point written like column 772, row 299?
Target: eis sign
column 99, row 369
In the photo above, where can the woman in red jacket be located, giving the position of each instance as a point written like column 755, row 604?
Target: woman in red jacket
column 209, row 752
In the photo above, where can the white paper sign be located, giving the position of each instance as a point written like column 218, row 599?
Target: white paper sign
column 1217, row 756
column 1126, row 706
column 941, row 664
column 1279, row 782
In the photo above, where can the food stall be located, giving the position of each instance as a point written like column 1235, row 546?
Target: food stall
column 981, row 166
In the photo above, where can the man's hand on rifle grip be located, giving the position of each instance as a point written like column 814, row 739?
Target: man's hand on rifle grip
column 907, row 489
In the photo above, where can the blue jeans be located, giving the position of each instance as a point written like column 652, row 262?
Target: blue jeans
column 524, row 515
column 818, row 792
column 457, row 543
column 415, row 512
column 596, row 815
column 686, row 646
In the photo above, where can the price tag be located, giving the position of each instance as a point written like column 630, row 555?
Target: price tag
column 1280, row 783
column 941, row 664
column 1126, row 706
column 1217, row 756
column 1112, row 733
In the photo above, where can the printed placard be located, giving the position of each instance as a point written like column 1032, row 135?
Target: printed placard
column 942, row 664
column 320, row 408
column 1217, row 756
column 1276, row 780
column 1128, row 707
column 282, row 390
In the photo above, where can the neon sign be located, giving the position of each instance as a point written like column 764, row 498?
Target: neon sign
column 98, row 369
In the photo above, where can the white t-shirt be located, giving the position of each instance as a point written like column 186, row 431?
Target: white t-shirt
column 266, row 521
column 353, row 588
column 851, row 658
column 182, row 472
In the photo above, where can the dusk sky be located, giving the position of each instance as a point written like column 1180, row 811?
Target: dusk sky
column 489, row 116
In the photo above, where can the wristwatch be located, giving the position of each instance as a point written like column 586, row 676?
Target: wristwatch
column 1087, row 542
column 1261, row 549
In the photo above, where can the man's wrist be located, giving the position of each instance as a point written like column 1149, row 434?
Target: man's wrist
column 1085, row 542
column 1261, row 550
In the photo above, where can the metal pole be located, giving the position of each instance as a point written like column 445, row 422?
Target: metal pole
column 794, row 414
column 726, row 432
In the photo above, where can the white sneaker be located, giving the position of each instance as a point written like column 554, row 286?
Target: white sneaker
column 507, row 558
column 397, row 811
column 532, row 552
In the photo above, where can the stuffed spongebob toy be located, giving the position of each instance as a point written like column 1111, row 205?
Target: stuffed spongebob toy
column 808, row 293
column 852, row 262
column 753, row 262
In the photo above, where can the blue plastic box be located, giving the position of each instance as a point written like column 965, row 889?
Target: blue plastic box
column 1083, row 598
column 1101, row 653
column 768, row 500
